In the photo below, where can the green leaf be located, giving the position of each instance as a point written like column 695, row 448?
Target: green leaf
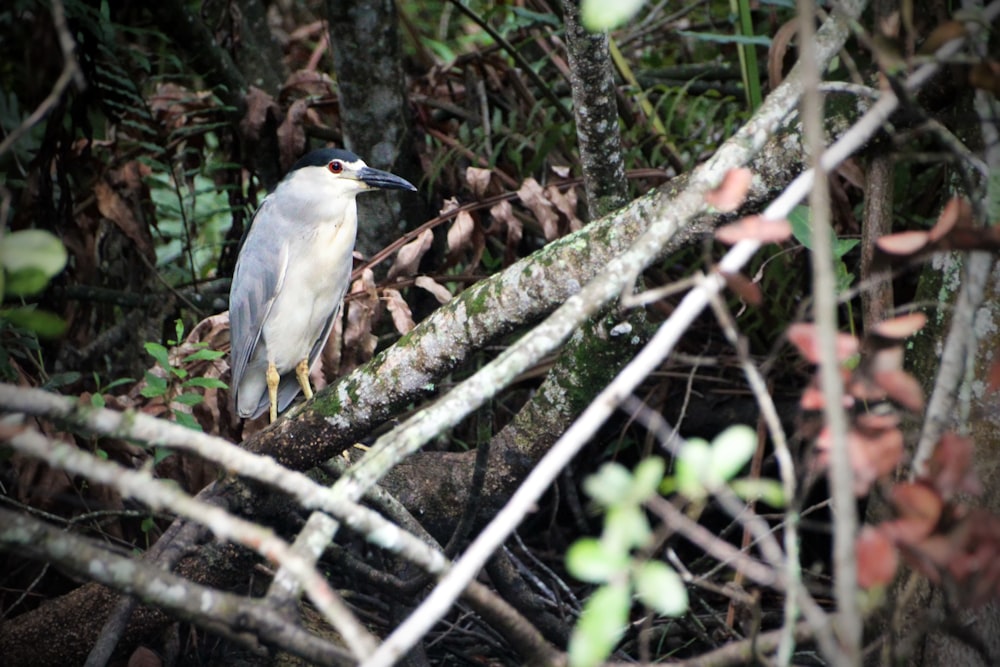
column 32, row 249
column 189, row 399
column 660, row 588
column 843, row 246
column 147, row 524
column 57, row 380
column 204, row 355
column 609, row 485
column 118, row 382
column 184, row 419
column 161, row 454
column 155, row 386
column 600, row 15
column 625, row 527
column 159, row 353
column 602, row 624
column 646, row 479
column 43, row 323
column 97, row 400
column 589, row 560
column 720, row 38
column 178, row 331
column 766, row 490
column 731, row 450
column 693, row 463
column 26, row 282
column 205, row 383
column 801, row 229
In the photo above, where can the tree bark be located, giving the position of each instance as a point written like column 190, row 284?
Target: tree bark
column 367, row 54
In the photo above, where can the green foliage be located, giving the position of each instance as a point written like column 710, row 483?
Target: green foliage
column 29, row 259
column 193, row 215
column 611, row 562
column 174, row 383
column 598, row 15
column 703, row 468
column 801, row 222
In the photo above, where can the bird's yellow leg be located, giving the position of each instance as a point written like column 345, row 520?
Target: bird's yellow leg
column 273, row 378
column 302, row 373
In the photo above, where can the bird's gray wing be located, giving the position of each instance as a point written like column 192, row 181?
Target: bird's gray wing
column 260, row 272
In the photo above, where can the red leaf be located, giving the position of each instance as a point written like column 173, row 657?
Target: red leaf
column 957, row 213
column 748, row 291
column 754, row 228
column 803, row 336
column 900, row 327
column 877, row 558
column 901, row 387
column 918, row 502
column 903, row 243
column 732, row 191
column 950, row 468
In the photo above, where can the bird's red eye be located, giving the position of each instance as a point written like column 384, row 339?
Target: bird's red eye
column 336, row 166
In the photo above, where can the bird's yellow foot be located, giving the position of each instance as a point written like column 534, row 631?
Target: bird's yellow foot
column 302, row 373
column 273, row 378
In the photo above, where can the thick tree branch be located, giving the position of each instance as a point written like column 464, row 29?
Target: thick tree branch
column 211, row 609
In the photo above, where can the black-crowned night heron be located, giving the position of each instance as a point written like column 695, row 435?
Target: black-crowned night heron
column 291, row 275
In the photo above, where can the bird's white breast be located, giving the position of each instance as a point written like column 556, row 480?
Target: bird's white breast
column 319, row 265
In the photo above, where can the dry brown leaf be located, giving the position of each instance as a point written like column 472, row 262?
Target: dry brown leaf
column 402, row 317
column 409, row 256
column 780, row 44
column 292, row 134
column 460, row 234
column 478, row 180
column 504, row 218
column 533, row 197
column 259, row 105
column 362, row 310
column 144, row 657
column 566, row 203
column 439, row 291
column 113, row 207
column 747, row 291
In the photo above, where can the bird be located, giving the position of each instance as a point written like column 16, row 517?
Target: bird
column 291, row 275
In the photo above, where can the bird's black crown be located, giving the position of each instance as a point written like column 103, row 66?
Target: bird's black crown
column 322, row 157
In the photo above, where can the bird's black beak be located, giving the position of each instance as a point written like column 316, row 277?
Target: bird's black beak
column 376, row 178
